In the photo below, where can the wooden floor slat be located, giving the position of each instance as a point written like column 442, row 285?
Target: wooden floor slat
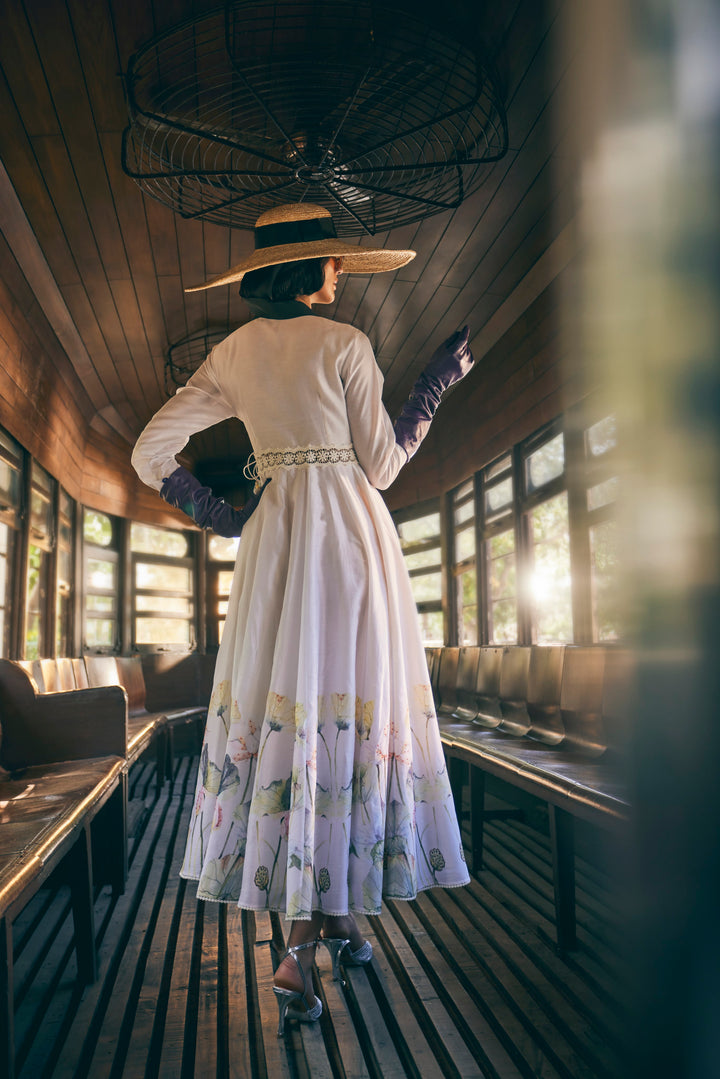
column 464, row 983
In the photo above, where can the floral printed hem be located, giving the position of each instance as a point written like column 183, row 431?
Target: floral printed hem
column 326, row 805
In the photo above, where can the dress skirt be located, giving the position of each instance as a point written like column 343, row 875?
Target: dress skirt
column 322, row 783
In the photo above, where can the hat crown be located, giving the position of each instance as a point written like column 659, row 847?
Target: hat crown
column 291, row 211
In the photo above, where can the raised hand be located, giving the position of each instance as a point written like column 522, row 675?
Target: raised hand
column 448, row 364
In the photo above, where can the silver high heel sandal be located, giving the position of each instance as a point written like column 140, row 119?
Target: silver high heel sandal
column 285, row 997
column 339, row 948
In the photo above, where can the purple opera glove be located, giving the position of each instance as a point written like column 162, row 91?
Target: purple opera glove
column 183, row 491
column 449, row 363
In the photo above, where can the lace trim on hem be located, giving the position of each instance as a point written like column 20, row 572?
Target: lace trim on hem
column 260, row 464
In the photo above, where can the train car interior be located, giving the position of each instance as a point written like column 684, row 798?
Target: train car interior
column 555, row 167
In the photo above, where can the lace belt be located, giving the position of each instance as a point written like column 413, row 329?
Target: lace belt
column 260, row 464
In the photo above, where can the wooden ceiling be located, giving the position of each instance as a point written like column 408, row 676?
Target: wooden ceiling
column 108, row 265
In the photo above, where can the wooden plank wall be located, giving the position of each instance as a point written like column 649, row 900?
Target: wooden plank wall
column 44, row 405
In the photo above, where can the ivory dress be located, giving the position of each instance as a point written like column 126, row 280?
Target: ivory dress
column 322, row 782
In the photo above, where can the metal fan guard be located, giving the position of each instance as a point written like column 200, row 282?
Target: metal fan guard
column 358, row 107
column 185, row 356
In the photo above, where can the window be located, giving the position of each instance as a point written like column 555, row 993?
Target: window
column 11, row 463
column 63, row 595
column 419, row 532
column 101, row 582
column 221, row 556
column 602, row 492
column 162, row 588
column 38, row 614
column 464, row 563
column 498, row 532
column 548, row 586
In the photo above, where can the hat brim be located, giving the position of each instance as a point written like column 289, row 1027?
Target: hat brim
column 356, row 259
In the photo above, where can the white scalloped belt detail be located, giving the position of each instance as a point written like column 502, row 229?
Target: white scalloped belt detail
column 259, row 465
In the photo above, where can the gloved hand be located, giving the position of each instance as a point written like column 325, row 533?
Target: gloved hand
column 449, row 363
column 183, row 491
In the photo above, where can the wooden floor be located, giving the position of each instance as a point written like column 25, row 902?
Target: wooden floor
column 464, row 982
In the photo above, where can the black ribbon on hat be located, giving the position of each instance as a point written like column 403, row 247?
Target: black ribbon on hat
column 294, row 232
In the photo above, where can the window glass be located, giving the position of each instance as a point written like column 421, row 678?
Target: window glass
column 36, row 611
column 100, row 632
column 420, row 540
column 97, row 528
column 502, row 588
column 602, row 436
column 100, row 603
column 9, row 484
column 423, row 559
column 101, row 582
column 602, row 494
column 161, row 575
column 498, row 497
column 464, row 512
column 223, row 549
column 431, row 627
column 162, row 631
column 426, row 586
column 101, row 575
column 465, row 543
column 550, row 593
column 605, row 591
column 167, row 604
column 419, row 528
column 224, row 581
column 545, row 463
column 7, row 551
column 144, row 539
column 41, row 505
column 63, row 619
column 467, row 607
column 503, row 464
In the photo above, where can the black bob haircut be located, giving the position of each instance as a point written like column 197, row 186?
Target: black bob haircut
column 285, row 281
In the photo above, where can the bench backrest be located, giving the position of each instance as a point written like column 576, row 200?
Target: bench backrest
column 514, row 670
column 102, row 671
column 487, row 686
column 466, row 678
column 447, row 680
column 131, row 677
column 617, row 701
column 544, row 684
column 581, row 698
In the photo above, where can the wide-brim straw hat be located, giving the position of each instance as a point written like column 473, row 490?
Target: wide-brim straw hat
column 303, row 231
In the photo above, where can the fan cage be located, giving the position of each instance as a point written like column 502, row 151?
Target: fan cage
column 185, row 356
column 361, row 108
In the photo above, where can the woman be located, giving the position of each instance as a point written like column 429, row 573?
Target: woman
column 322, row 782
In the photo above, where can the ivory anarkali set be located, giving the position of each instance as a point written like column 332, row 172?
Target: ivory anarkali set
column 322, row 783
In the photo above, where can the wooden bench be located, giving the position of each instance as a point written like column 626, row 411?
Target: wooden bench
column 550, row 721
column 59, row 768
column 179, row 685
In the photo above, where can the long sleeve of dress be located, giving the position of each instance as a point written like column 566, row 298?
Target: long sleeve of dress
column 370, row 426
column 194, row 407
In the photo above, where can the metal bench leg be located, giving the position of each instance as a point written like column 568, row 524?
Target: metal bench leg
column 456, row 770
column 115, row 814
column 477, row 817
column 7, row 1014
column 562, row 840
column 161, row 751
column 83, row 902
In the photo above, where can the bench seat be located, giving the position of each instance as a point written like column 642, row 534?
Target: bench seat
column 551, row 721
column 41, row 808
column 592, row 789
column 63, row 783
